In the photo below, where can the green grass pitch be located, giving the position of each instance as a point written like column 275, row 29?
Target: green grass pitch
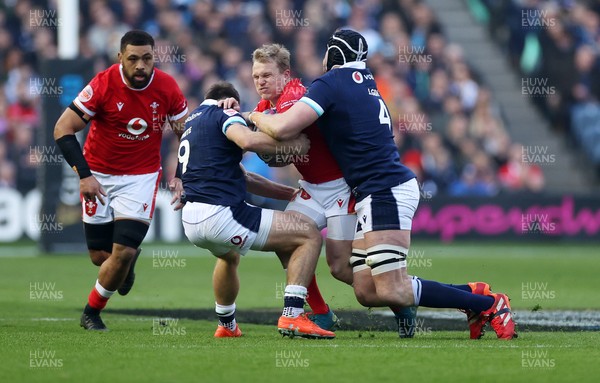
column 41, row 300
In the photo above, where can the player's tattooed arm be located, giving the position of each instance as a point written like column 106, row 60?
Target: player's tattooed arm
column 261, row 186
column 283, row 126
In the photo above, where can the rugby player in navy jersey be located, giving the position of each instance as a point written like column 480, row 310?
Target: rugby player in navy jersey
column 215, row 216
column 357, row 127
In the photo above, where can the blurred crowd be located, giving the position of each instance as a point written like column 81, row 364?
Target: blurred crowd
column 446, row 124
column 559, row 41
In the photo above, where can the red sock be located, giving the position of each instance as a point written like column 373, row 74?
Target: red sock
column 96, row 301
column 315, row 299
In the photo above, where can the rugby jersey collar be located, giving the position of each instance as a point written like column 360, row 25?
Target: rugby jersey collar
column 355, row 65
column 136, row 89
column 209, row 101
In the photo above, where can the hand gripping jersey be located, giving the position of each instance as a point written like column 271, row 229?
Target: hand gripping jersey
column 210, row 162
column 318, row 165
column 127, row 123
column 357, row 127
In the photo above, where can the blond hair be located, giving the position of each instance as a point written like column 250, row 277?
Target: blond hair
column 273, row 52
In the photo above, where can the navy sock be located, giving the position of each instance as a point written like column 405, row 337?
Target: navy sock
column 435, row 294
column 227, row 321
column 466, row 288
column 292, row 306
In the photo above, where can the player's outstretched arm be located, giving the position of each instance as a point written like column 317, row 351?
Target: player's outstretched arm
column 264, row 187
column 70, row 122
column 286, row 125
column 261, row 143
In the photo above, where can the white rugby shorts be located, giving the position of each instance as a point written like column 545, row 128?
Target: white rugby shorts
column 328, row 204
column 390, row 209
column 221, row 229
column 127, row 196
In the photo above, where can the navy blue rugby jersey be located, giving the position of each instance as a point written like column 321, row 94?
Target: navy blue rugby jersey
column 357, row 127
column 209, row 161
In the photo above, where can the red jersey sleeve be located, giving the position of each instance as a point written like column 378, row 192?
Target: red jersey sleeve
column 292, row 92
column 90, row 98
column 178, row 107
column 262, row 106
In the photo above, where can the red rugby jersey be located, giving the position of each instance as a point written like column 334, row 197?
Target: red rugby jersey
column 127, row 123
column 318, row 165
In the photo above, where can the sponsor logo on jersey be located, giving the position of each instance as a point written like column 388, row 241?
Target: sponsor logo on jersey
column 340, row 202
column 86, row 94
column 137, row 126
column 120, row 105
column 90, row 208
column 373, row 92
column 357, row 77
column 190, row 118
column 230, row 112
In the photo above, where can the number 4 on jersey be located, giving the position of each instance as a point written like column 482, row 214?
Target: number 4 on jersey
column 384, row 115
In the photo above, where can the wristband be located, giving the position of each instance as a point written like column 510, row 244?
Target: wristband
column 69, row 146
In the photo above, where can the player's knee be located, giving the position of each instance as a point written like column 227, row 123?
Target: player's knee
column 232, row 258
column 340, row 270
column 307, row 234
column 123, row 254
column 98, row 256
column 364, row 296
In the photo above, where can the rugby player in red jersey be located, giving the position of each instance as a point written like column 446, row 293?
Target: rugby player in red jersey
column 129, row 105
column 324, row 196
